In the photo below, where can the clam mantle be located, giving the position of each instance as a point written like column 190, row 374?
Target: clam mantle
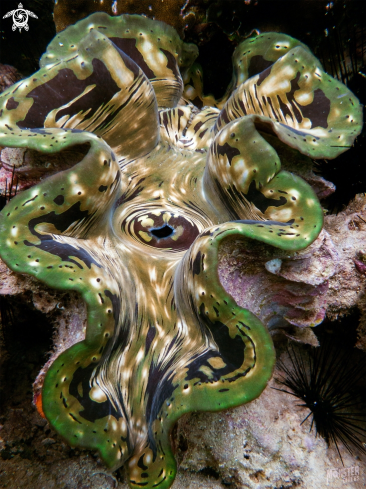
column 135, row 225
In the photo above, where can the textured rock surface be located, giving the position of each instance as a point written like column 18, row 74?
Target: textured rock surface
column 279, row 287
column 261, row 445
column 347, row 287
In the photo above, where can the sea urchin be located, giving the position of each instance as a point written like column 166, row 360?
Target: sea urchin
column 328, row 381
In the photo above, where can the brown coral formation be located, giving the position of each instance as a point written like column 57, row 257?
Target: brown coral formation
column 177, row 13
column 8, row 76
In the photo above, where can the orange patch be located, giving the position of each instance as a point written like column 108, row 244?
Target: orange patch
column 38, row 403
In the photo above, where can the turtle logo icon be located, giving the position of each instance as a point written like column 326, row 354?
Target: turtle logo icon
column 20, row 18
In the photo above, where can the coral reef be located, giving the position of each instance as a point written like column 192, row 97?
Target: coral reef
column 177, row 13
column 136, row 221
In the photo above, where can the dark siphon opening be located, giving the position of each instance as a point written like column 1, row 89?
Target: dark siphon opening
column 163, row 232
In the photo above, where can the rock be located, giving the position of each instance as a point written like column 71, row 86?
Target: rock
column 347, row 287
column 25, row 167
column 8, row 76
column 261, row 444
column 282, row 288
column 48, row 441
column 40, row 422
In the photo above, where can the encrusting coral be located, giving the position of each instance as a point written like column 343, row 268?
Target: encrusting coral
column 177, row 13
column 136, row 224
